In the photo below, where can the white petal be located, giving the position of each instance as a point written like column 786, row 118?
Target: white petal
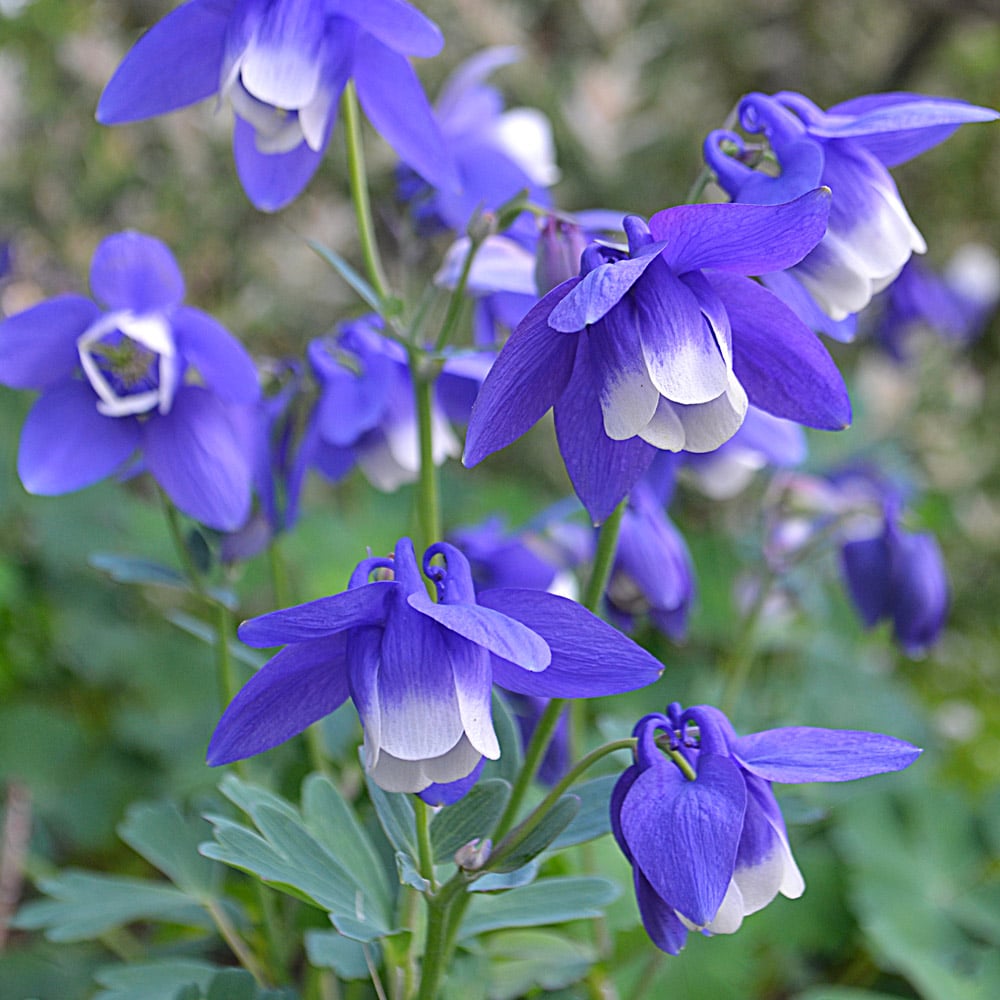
column 664, row 430
column 396, row 775
column 525, row 135
column 709, row 425
column 628, row 401
column 730, row 915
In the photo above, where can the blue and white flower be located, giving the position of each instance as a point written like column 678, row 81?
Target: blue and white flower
column 282, row 65
column 421, row 672
column 696, row 817
column 145, row 374
column 849, row 149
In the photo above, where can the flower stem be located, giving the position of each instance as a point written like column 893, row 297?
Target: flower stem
column 359, row 191
column 425, row 854
column 457, row 297
column 428, row 494
column 236, row 944
column 604, row 558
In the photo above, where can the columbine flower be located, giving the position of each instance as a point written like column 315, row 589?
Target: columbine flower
column 652, row 572
column 898, row 576
column 283, row 64
column 497, row 153
column 848, row 149
column 366, row 413
column 707, row 852
column 147, row 374
column 662, row 347
column 955, row 304
column 420, row 673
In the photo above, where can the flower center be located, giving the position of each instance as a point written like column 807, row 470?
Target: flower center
column 130, row 362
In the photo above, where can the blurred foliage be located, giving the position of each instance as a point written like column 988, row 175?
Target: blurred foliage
column 104, row 702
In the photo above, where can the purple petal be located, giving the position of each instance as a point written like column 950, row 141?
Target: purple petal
column 294, row 689
column 394, row 102
column 590, row 658
column 790, row 290
column 394, row 23
column 866, row 564
column 496, row 632
column 472, row 677
column 282, row 62
column 67, row 444
column 272, row 180
column 449, row 792
column 660, row 921
column 363, row 606
column 38, row 346
column 599, row 291
column 528, row 376
column 746, row 239
column 684, row 834
column 198, row 456
column 920, row 591
column 781, row 363
column 602, row 471
column 364, row 653
column 221, row 360
column 136, row 272
column 176, row 63
column 897, row 127
column 803, row 753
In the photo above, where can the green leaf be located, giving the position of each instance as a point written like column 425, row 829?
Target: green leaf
column 594, row 817
column 547, row 901
column 408, row 874
column 170, row 842
column 152, row 980
column 330, row 950
column 146, row 572
column 85, row 906
column 554, row 822
column 207, row 634
column 474, row 816
column 287, row 854
column 498, row 882
column 524, row 960
column 508, row 766
column 336, row 826
column 349, row 275
column 396, row 817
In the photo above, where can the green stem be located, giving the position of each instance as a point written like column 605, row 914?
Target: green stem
column 359, row 191
column 236, row 944
column 428, row 495
column 457, row 300
column 425, row 854
column 604, row 558
column 228, row 682
column 191, row 572
column 444, row 912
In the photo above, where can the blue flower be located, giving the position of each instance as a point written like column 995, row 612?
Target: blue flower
column 366, row 412
column 497, row 153
column 707, row 852
column 955, row 304
column 283, row 64
column 652, row 573
column 145, row 374
column 898, row 576
column 663, row 347
column 849, row 149
column 421, row 673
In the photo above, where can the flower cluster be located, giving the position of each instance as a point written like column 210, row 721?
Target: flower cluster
column 700, row 825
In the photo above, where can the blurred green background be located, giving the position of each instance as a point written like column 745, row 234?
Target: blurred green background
column 103, row 701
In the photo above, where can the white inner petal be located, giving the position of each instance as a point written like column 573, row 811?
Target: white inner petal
column 709, row 425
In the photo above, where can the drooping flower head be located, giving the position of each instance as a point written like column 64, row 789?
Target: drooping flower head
column 652, row 574
column 421, row 672
column 849, row 149
column 696, row 817
column 141, row 372
column 366, row 412
column 282, row 65
column 663, row 346
column 955, row 304
column 898, row 576
column 498, row 153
